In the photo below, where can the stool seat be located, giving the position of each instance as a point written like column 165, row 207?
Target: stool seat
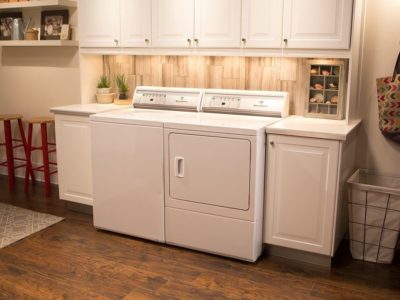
column 10, row 117
column 40, row 120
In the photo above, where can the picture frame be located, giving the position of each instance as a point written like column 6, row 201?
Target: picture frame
column 51, row 23
column 6, row 23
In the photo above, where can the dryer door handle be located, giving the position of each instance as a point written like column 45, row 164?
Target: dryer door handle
column 179, row 167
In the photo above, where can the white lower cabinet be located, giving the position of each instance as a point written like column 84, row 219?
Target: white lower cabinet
column 301, row 193
column 74, row 158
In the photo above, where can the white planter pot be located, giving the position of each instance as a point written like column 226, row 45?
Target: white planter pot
column 103, row 91
column 105, row 98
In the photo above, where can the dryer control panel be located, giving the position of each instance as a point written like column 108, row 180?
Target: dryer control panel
column 246, row 102
column 168, row 98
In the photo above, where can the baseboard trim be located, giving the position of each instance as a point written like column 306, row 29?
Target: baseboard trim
column 298, row 255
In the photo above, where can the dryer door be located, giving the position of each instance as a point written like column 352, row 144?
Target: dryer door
column 210, row 170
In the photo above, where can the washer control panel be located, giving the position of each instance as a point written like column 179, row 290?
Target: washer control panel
column 168, row 98
column 224, row 102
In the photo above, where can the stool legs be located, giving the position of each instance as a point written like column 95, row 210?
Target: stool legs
column 45, row 159
column 9, row 153
column 28, row 158
column 24, row 143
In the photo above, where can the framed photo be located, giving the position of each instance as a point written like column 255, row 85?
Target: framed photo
column 51, row 23
column 6, row 20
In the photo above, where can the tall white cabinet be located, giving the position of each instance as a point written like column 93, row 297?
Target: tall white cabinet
column 316, row 24
column 301, row 193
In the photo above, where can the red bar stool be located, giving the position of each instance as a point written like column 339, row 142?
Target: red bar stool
column 11, row 144
column 45, row 168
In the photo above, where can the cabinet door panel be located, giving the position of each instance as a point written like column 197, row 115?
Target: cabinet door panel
column 262, row 23
column 135, row 23
column 99, row 23
column 172, row 23
column 217, row 23
column 74, row 159
column 301, row 193
column 320, row 24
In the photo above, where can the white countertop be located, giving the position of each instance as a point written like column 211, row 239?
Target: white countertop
column 86, row 109
column 313, row 127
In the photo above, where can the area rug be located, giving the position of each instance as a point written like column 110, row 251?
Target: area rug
column 17, row 223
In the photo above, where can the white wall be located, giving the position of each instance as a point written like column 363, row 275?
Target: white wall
column 381, row 46
column 34, row 79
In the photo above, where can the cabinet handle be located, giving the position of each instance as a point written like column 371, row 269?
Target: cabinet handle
column 272, row 143
column 189, row 41
column 285, row 41
column 116, row 42
column 196, row 41
column 146, row 41
column 243, row 40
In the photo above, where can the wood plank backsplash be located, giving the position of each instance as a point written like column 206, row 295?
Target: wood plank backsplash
column 227, row 72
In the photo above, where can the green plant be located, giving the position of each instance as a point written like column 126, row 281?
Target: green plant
column 121, row 83
column 104, row 82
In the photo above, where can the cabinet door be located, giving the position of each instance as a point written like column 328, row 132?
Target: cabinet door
column 135, row 23
column 318, row 24
column 262, row 23
column 301, row 193
column 74, row 159
column 172, row 23
column 217, row 23
column 99, row 23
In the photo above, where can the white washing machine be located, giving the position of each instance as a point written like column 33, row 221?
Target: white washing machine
column 128, row 161
column 214, row 172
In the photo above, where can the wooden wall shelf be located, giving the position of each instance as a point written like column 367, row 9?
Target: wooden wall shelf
column 42, row 43
column 38, row 3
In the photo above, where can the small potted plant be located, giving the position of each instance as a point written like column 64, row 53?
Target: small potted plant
column 122, row 87
column 103, row 90
column 103, row 87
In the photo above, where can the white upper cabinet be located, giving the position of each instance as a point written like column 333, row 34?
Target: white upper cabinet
column 114, row 23
column 99, row 23
column 262, row 23
column 217, row 23
column 172, row 23
column 317, row 24
column 135, row 23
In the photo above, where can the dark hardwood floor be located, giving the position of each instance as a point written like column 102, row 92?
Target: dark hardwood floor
column 73, row 260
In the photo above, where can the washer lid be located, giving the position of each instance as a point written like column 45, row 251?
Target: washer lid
column 147, row 117
column 222, row 123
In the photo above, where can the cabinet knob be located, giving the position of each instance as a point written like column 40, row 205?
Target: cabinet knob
column 146, row 41
column 189, row 41
column 116, row 42
column 196, row 41
column 243, row 40
column 285, row 41
column 272, row 143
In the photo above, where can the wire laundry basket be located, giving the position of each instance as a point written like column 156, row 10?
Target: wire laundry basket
column 374, row 216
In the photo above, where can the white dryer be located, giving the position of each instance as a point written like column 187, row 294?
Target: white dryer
column 128, row 161
column 214, row 172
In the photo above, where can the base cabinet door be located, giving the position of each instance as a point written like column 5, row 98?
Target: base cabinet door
column 301, row 193
column 74, row 159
